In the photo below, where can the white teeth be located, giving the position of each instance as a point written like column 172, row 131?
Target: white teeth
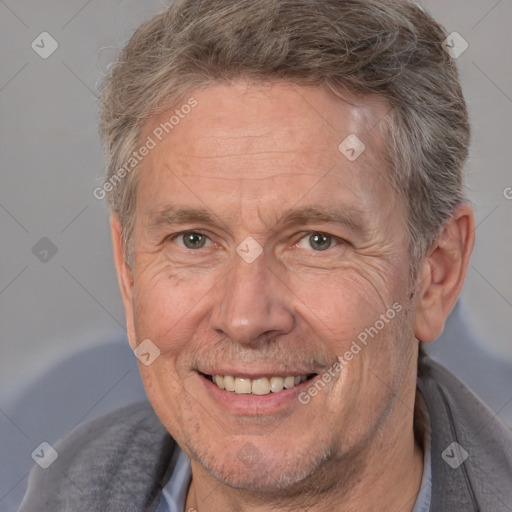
column 229, row 383
column 276, row 384
column 289, row 382
column 243, row 386
column 260, row 386
column 219, row 380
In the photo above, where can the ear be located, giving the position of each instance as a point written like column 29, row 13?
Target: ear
column 124, row 276
column 442, row 273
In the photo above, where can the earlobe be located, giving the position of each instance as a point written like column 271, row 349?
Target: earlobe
column 124, row 276
column 442, row 273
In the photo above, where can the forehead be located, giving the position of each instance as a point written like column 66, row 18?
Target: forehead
column 245, row 142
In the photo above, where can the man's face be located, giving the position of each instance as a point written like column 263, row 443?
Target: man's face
column 262, row 251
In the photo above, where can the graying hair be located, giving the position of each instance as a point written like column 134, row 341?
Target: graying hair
column 391, row 48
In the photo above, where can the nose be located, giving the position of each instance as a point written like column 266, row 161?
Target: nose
column 252, row 304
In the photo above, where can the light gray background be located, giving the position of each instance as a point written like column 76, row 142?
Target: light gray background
column 51, row 161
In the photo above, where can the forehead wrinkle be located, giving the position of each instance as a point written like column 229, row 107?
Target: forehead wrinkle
column 246, row 179
column 182, row 165
column 246, row 154
column 241, row 146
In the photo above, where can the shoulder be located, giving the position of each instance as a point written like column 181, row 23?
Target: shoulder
column 117, row 460
column 471, row 447
column 450, row 399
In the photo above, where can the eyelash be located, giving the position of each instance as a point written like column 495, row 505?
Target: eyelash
column 336, row 241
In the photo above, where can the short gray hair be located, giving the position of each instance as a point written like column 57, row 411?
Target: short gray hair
column 391, row 48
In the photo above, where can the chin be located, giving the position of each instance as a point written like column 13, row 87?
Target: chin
column 244, row 466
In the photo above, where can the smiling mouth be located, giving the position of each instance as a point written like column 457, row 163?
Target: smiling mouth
column 259, row 386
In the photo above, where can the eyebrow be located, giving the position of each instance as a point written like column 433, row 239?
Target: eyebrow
column 174, row 215
column 349, row 217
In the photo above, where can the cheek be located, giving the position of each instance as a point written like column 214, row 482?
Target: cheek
column 343, row 302
column 166, row 302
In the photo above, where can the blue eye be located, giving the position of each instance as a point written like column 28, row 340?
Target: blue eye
column 192, row 240
column 317, row 241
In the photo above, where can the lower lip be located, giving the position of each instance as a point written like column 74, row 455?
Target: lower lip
column 254, row 405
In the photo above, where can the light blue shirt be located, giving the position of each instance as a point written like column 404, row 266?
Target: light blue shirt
column 175, row 492
column 424, row 496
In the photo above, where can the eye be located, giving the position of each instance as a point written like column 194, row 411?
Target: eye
column 191, row 240
column 317, row 241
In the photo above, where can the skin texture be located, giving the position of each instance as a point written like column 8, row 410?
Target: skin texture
column 247, row 155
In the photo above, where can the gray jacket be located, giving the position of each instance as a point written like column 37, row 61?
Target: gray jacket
column 121, row 461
